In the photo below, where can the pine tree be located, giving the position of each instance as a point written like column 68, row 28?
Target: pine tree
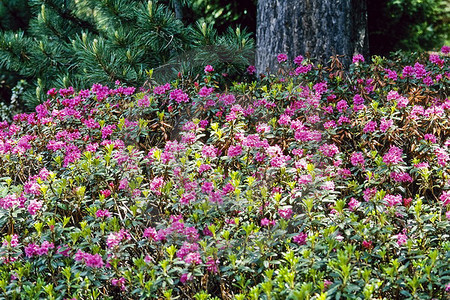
column 78, row 43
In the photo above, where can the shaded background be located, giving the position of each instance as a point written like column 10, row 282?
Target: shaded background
column 393, row 25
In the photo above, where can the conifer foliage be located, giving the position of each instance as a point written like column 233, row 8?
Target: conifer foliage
column 78, row 43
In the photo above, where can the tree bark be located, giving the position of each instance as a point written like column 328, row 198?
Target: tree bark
column 317, row 29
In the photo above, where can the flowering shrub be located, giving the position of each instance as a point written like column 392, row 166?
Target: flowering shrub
column 313, row 184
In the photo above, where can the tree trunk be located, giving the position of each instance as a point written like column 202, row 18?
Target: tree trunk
column 317, row 29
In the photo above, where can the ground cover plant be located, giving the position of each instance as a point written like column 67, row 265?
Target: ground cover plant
column 312, row 184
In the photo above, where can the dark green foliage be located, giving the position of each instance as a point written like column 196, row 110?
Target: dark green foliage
column 223, row 13
column 78, row 43
column 409, row 25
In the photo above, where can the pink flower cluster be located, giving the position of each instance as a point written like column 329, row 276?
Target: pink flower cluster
column 91, row 260
column 33, row 249
column 114, row 238
column 393, row 156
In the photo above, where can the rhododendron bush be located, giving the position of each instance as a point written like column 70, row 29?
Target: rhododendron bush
column 315, row 183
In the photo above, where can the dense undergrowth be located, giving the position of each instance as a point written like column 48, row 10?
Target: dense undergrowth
column 312, row 184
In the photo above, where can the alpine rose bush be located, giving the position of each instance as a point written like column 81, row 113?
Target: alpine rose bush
column 313, row 184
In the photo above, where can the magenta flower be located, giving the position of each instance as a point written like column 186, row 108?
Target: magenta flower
column 93, row 261
column 393, row 200
column 207, row 187
column 209, row 151
column 385, row 124
column 358, row 58
column 353, row 204
column 342, row 105
column 150, row 233
column 193, row 258
column 393, row 156
column 329, row 150
column 205, row 91
column 445, row 198
column 300, row 238
column 282, row 57
column 371, row 126
column 211, row 264
column 185, row 277
column 34, row 206
column 357, row 159
column 209, row 69
column 114, row 238
column 107, row 131
column 251, row 70
column 401, row 239
column 285, row 213
column 298, row 60
column 358, row 100
column 367, row 244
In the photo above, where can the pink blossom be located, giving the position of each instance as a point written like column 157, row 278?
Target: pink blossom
column 357, row 159
column 445, row 198
column 31, row 249
column 186, row 277
column 234, row 150
column 209, row 69
column 179, row 96
column 367, row 244
column 34, row 206
column 107, row 130
column 204, row 168
column 393, row 200
column 205, row 91
column 93, row 261
column 311, row 119
column 369, row 194
column 251, row 70
column 401, row 177
column 371, row 126
column 216, row 197
column 329, row 124
column 329, row 150
column 263, row 128
column 300, row 238
column 209, row 151
column 264, row 222
column 281, row 57
column 342, row 105
column 298, row 60
column 385, row 124
column 193, row 258
column 119, row 283
column 187, row 198
column 211, row 265
column 442, row 156
column 358, row 58
column 393, row 156
column 358, row 100
column 114, row 238
column 285, row 213
column 401, row 239
column 150, row 233
column 353, row 204
column 207, row 187
column 303, row 69
column 144, row 101
column 14, row 242
column 391, row 74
